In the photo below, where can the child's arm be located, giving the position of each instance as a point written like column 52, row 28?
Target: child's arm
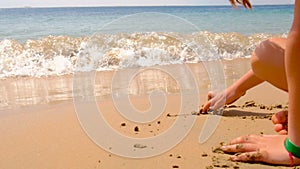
column 232, row 93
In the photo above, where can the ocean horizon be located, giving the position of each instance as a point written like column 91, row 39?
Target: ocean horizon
column 132, row 5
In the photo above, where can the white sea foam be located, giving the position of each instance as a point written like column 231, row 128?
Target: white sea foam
column 57, row 55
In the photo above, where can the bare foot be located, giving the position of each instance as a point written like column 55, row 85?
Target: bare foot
column 280, row 120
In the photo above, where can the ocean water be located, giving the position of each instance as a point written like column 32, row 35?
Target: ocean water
column 56, row 41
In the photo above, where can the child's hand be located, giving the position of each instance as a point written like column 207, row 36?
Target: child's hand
column 218, row 99
column 215, row 101
column 267, row 148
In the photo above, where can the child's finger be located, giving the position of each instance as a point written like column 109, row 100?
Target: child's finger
column 210, row 95
column 233, row 3
column 247, row 4
column 280, row 117
column 283, row 132
column 237, row 148
column 254, row 156
column 206, row 106
column 279, row 127
column 246, row 139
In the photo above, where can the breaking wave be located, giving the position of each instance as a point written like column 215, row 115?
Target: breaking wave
column 59, row 55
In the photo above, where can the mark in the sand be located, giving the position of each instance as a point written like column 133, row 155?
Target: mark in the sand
column 197, row 113
column 139, row 146
column 221, row 166
column 175, row 166
column 177, row 156
column 123, row 124
column 193, row 113
column 232, row 106
column 223, row 162
column 250, row 104
column 253, row 117
column 218, row 150
column 178, row 115
column 262, row 106
column 136, row 129
column 204, row 154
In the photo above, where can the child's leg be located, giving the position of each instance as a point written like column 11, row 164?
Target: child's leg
column 268, row 62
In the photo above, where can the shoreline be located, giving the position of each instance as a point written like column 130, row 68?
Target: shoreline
column 23, row 91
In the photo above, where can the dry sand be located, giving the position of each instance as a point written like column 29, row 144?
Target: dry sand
column 49, row 135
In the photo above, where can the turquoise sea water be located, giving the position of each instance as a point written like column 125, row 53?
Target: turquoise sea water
column 31, row 23
column 47, row 41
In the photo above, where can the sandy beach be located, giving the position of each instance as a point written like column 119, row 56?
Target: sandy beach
column 40, row 129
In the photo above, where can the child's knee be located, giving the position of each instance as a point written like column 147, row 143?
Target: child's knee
column 255, row 64
column 261, row 55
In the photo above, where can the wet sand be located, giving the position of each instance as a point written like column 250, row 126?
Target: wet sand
column 47, row 133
